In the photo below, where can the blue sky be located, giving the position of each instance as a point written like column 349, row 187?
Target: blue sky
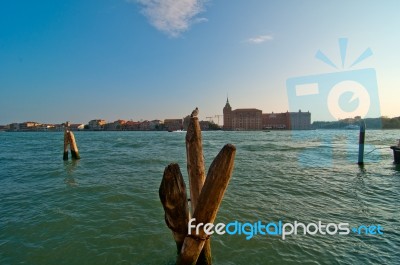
column 157, row 59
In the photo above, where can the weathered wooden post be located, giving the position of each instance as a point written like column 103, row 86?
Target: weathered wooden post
column 69, row 139
column 361, row 141
column 396, row 153
column 206, row 195
column 195, row 160
column 196, row 172
column 66, row 142
column 217, row 180
column 73, row 146
column 173, row 197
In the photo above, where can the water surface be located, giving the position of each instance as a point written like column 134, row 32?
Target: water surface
column 104, row 208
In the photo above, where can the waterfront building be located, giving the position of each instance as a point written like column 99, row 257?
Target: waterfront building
column 28, row 126
column 14, row 127
column 254, row 119
column 117, row 125
column 132, row 125
column 77, row 127
column 207, row 125
column 279, row 121
column 155, row 125
column 45, row 127
column 96, row 125
column 145, row 125
column 241, row 119
column 227, row 111
column 287, row 120
column 300, row 120
column 173, row 124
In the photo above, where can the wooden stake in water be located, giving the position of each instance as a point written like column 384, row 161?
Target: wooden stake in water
column 174, row 200
column 195, row 160
column 361, row 141
column 210, row 198
column 196, row 172
column 66, row 140
column 73, row 146
column 69, row 139
column 66, row 143
column 206, row 196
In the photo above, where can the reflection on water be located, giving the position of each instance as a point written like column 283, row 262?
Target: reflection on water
column 70, row 167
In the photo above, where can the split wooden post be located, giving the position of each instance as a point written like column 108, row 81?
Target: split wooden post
column 73, row 146
column 69, row 139
column 210, row 198
column 173, row 197
column 196, row 172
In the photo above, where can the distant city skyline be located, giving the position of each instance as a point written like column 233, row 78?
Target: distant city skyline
column 149, row 59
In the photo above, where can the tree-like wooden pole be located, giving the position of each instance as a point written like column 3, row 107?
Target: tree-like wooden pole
column 196, row 172
column 208, row 203
column 173, row 197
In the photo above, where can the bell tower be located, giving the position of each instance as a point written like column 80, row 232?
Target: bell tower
column 227, row 115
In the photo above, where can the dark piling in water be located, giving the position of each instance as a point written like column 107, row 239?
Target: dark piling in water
column 361, row 141
column 396, row 153
column 66, row 142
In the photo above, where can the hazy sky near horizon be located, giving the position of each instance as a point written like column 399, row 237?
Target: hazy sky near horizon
column 157, row 59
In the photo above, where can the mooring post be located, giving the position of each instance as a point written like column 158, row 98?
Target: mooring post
column 396, row 153
column 195, row 160
column 361, row 141
column 196, row 172
column 66, row 140
column 69, row 139
column 210, row 198
column 73, row 146
column 173, row 197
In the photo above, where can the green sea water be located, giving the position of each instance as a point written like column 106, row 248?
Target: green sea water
column 105, row 209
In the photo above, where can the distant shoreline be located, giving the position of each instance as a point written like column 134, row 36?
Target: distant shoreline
column 236, row 131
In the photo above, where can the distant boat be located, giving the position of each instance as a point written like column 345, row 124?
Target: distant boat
column 352, row 127
column 176, row 131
